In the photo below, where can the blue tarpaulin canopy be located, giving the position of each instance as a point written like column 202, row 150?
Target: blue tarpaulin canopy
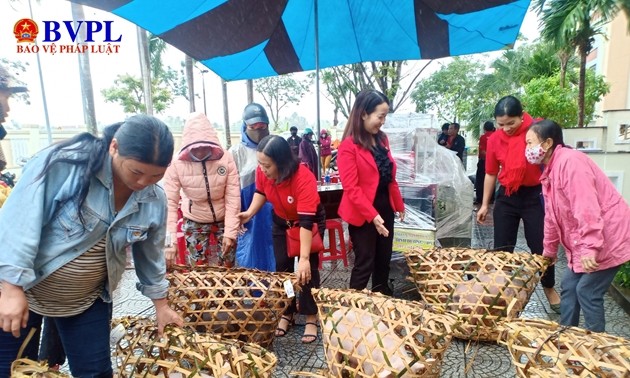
column 248, row 39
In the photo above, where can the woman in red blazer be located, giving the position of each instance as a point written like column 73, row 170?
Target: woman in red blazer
column 371, row 196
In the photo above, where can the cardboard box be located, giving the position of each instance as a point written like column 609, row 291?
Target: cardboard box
column 408, row 238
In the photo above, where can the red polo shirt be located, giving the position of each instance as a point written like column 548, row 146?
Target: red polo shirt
column 297, row 195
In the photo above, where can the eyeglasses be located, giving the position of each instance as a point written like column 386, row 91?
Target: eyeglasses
column 257, row 126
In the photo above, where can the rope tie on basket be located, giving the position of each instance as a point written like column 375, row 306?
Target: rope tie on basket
column 555, row 336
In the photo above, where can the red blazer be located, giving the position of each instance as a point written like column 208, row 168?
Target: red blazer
column 359, row 176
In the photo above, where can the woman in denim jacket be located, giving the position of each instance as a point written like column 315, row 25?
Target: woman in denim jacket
column 65, row 229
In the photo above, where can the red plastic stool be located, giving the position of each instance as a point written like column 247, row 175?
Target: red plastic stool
column 332, row 253
column 182, row 252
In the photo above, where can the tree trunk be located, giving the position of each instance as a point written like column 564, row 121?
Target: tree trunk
column 85, row 75
column 250, row 91
column 581, row 88
column 145, row 68
column 336, row 117
column 190, row 82
column 564, row 57
column 226, row 114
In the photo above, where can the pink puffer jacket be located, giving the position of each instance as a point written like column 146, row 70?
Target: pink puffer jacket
column 583, row 212
column 186, row 178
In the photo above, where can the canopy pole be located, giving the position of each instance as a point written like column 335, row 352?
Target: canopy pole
column 316, row 20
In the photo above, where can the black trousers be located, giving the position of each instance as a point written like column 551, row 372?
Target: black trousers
column 284, row 263
column 373, row 254
column 480, row 177
column 525, row 204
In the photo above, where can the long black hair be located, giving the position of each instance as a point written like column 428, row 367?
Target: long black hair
column 141, row 137
column 366, row 102
column 278, row 150
column 546, row 129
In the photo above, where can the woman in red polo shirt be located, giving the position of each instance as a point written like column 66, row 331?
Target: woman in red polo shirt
column 371, row 195
column 520, row 194
column 291, row 188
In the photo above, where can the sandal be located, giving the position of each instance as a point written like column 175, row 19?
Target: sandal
column 309, row 338
column 555, row 307
column 280, row 332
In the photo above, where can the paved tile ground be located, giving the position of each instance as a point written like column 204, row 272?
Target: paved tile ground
column 463, row 359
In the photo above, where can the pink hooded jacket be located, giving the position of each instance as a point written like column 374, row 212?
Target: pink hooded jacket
column 186, row 178
column 584, row 212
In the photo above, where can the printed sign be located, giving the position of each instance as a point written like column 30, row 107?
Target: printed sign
column 408, row 238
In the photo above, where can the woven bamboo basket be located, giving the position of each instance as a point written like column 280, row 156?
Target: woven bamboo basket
column 370, row 335
column 238, row 304
column 482, row 288
column 544, row 349
column 24, row 367
column 182, row 353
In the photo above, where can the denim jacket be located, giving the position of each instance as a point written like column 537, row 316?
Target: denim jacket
column 35, row 244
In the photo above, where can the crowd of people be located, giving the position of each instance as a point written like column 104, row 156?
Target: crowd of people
column 91, row 199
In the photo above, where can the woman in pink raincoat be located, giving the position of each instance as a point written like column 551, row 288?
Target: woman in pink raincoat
column 587, row 215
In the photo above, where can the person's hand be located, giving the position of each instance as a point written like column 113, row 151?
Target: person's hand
column 244, row 217
column 13, row 309
column 552, row 260
column 165, row 315
column 304, row 271
column 589, row 264
column 379, row 223
column 228, row 243
column 401, row 216
column 170, row 253
column 481, row 213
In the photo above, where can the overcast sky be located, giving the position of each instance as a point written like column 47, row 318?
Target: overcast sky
column 61, row 79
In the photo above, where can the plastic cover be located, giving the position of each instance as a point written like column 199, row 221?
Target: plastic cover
column 438, row 194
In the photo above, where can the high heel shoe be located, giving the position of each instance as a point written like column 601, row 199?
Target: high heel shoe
column 308, row 338
column 281, row 332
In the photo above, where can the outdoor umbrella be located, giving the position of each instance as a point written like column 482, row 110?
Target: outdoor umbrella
column 248, row 39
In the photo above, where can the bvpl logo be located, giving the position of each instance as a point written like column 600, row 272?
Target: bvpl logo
column 26, row 30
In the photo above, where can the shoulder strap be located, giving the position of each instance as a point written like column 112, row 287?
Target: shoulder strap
column 205, row 176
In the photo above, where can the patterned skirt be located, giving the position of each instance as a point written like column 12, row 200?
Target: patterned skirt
column 204, row 243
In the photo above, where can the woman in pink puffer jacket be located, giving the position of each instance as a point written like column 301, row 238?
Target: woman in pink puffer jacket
column 203, row 180
column 587, row 215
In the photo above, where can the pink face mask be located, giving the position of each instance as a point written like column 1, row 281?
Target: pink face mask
column 535, row 155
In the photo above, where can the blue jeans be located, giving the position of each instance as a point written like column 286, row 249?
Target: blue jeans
column 585, row 291
column 51, row 349
column 85, row 338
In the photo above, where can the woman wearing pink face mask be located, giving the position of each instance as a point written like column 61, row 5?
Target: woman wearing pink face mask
column 587, row 215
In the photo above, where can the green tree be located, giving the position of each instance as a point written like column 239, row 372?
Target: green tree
column 165, row 83
column 128, row 91
column 447, row 92
column 545, row 97
column 344, row 82
column 510, row 72
column 279, row 91
column 575, row 23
